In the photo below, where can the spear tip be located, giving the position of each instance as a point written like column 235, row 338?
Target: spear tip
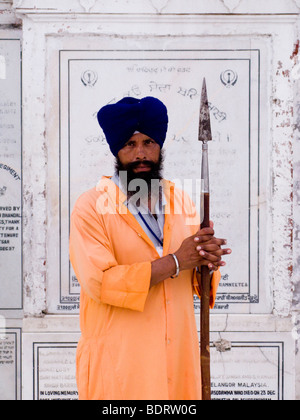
column 204, row 122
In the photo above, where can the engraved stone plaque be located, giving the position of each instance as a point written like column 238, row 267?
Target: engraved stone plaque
column 10, row 176
column 10, row 363
column 244, row 366
column 89, row 80
column 252, row 366
column 50, row 373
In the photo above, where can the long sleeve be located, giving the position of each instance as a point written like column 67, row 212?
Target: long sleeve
column 215, row 281
column 97, row 270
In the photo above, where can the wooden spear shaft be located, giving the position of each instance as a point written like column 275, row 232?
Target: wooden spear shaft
column 204, row 314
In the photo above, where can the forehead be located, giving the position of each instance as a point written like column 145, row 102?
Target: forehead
column 140, row 138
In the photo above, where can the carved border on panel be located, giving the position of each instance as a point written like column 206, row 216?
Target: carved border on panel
column 297, row 2
column 87, row 4
column 231, row 5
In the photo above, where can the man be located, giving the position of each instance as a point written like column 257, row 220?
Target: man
column 135, row 257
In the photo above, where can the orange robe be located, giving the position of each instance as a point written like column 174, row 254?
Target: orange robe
column 137, row 343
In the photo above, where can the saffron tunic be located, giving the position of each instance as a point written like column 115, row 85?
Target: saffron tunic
column 137, row 343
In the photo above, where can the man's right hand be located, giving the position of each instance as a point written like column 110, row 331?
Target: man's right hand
column 202, row 249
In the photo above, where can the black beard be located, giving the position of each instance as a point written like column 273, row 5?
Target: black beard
column 155, row 172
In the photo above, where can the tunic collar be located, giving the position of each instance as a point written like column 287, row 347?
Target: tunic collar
column 117, row 198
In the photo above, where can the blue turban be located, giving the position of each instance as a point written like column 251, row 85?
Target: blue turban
column 120, row 121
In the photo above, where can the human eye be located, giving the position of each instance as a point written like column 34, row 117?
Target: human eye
column 130, row 144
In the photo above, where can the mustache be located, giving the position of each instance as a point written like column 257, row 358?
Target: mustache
column 134, row 165
column 155, row 172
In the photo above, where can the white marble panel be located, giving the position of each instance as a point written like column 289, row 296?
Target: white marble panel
column 244, row 366
column 49, row 366
column 11, row 295
column 252, row 366
column 237, row 84
column 10, row 359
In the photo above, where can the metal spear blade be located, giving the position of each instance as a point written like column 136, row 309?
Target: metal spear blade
column 204, row 123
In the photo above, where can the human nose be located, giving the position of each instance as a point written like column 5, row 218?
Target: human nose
column 140, row 152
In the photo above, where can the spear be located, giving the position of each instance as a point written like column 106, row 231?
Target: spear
column 204, row 280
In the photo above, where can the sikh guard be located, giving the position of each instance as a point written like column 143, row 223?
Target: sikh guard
column 135, row 244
